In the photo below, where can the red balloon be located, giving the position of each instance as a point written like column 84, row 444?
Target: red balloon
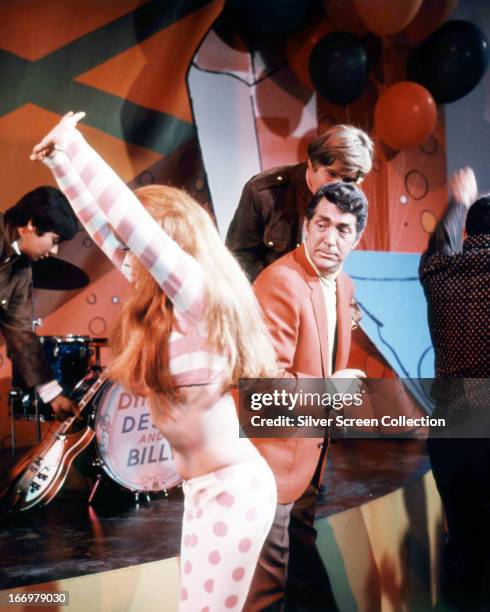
column 344, row 18
column 300, row 47
column 386, row 17
column 405, row 115
column 430, row 16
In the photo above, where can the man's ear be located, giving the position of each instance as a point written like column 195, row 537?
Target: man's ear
column 357, row 241
column 28, row 228
column 305, row 227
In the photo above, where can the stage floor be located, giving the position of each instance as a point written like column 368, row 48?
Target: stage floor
column 71, row 538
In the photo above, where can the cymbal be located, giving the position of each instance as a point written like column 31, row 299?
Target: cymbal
column 57, row 274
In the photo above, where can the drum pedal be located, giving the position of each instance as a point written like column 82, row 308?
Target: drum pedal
column 146, row 497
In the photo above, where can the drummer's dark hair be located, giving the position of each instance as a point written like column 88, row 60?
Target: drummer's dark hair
column 47, row 209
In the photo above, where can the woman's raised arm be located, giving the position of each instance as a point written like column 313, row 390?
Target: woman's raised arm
column 178, row 274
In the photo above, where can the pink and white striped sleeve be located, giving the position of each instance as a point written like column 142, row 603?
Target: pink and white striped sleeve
column 178, row 274
column 90, row 215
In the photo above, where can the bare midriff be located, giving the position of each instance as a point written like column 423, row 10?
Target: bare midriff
column 203, row 430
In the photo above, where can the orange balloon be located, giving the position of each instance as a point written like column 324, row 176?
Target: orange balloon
column 430, row 16
column 300, row 47
column 344, row 18
column 386, row 17
column 405, row 115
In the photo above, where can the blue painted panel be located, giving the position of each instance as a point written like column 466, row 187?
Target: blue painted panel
column 395, row 313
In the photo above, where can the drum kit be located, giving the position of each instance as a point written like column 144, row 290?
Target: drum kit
column 123, row 445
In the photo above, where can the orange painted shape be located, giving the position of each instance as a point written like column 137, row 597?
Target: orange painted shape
column 153, row 73
column 34, row 28
column 23, row 128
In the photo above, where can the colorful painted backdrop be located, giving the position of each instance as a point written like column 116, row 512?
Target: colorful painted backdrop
column 125, row 63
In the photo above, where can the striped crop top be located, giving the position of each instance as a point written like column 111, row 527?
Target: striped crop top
column 106, row 207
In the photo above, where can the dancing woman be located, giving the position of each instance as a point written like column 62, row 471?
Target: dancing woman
column 189, row 331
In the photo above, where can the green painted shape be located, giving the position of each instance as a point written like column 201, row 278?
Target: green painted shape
column 48, row 82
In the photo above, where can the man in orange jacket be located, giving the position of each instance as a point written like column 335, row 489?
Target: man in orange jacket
column 306, row 300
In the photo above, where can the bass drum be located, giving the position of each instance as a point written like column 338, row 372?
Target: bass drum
column 130, row 449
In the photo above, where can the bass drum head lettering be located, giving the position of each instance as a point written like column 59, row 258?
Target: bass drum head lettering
column 133, row 452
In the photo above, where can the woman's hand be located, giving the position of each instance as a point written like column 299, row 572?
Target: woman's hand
column 55, row 136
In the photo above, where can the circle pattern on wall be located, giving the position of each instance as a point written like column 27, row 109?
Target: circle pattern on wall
column 416, row 184
column 428, row 221
column 97, row 326
column 430, row 146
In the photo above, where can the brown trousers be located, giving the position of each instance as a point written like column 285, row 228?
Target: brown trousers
column 289, row 573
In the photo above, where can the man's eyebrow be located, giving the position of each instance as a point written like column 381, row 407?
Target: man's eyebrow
column 323, row 218
column 326, row 218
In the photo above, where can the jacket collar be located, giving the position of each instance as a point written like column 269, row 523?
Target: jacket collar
column 302, row 193
column 8, row 236
column 342, row 342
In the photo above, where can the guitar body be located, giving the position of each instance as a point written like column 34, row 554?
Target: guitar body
column 42, row 475
column 39, row 475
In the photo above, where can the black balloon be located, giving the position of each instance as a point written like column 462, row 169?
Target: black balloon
column 339, row 67
column 268, row 19
column 451, row 61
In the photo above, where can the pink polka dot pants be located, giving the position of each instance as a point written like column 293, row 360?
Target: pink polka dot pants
column 227, row 516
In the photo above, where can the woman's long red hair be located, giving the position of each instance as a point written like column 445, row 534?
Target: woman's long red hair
column 140, row 338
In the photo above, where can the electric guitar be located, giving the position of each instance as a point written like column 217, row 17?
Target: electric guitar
column 37, row 477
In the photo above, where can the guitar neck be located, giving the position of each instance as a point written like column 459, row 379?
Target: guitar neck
column 60, row 429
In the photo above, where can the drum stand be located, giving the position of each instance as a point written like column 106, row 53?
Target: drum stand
column 146, row 497
column 11, row 399
column 138, row 496
column 94, row 489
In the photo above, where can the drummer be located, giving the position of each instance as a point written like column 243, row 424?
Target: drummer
column 29, row 231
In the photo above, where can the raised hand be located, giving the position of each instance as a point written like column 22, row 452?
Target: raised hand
column 463, row 187
column 55, row 136
column 348, row 380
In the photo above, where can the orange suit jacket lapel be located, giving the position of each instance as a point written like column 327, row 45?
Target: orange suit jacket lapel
column 318, row 303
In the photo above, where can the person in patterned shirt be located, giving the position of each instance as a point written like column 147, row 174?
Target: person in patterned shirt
column 455, row 275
